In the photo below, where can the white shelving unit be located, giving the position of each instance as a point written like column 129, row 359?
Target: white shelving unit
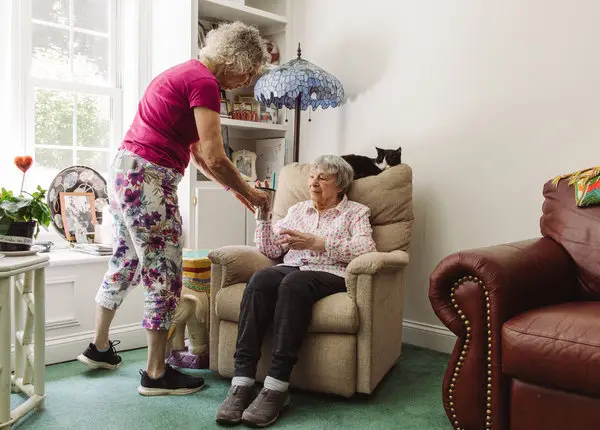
column 232, row 10
column 250, row 125
column 212, row 216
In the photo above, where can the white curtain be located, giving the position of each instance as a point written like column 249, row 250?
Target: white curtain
column 11, row 140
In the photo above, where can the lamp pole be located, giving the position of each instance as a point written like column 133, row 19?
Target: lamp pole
column 296, row 146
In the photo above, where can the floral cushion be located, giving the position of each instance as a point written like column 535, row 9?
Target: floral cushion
column 586, row 184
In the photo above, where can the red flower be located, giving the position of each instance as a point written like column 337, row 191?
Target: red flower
column 23, row 162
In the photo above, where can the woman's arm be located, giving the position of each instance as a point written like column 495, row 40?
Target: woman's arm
column 342, row 249
column 360, row 241
column 268, row 240
column 269, row 237
column 208, row 154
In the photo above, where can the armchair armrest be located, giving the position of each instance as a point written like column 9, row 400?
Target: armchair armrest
column 375, row 282
column 517, row 276
column 473, row 293
column 238, row 263
column 230, row 265
column 374, row 262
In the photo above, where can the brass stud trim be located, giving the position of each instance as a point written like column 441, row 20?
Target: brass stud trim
column 465, row 348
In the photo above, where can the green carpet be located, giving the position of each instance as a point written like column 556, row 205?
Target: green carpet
column 409, row 398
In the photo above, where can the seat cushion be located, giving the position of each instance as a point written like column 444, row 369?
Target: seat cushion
column 333, row 314
column 555, row 346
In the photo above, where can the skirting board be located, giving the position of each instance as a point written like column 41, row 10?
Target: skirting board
column 428, row 336
column 132, row 336
column 67, row 348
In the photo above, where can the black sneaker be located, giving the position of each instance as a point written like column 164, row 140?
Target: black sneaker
column 172, row 382
column 95, row 359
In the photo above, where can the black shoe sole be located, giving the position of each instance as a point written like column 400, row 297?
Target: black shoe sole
column 146, row 391
column 91, row 364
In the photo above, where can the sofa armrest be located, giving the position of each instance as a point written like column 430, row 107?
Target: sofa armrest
column 473, row 293
column 374, row 262
column 517, row 276
column 238, row 263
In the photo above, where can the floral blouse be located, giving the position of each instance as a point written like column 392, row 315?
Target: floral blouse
column 346, row 229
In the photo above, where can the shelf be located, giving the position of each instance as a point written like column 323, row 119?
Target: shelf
column 252, row 125
column 68, row 257
column 230, row 10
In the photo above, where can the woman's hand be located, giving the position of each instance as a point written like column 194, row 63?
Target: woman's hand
column 259, row 199
column 255, row 199
column 244, row 201
column 299, row 241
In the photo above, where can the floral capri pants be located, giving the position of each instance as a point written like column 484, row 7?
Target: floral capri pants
column 146, row 238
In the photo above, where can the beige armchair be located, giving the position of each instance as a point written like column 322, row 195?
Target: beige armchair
column 354, row 337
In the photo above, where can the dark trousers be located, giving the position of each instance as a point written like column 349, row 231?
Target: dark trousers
column 284, row 296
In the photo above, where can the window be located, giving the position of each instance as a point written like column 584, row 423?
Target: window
column 71, row 85
column 73, row 74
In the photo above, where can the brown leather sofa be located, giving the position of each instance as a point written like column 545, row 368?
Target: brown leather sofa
column 527, row 318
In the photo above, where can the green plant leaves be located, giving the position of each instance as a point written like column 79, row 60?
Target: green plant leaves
column 24, row 208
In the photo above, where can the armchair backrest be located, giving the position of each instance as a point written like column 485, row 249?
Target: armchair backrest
column 388, row 195
column 577, row 230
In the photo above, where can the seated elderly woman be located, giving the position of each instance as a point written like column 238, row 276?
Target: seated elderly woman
column 317, row 239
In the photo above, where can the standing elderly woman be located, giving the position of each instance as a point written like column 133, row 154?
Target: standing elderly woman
column 317, row 239
column 177, row 120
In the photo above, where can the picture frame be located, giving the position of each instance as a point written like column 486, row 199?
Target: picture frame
column 245, row 162
column 270, row 157
column 78, row 216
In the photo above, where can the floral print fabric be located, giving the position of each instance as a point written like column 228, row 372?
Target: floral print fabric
column 346, row 229
column 146, row 239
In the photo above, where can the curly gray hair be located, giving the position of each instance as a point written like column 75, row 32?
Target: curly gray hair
column 337, row 166
column 235, row 48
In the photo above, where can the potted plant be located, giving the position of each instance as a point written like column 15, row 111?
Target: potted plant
column 22, row 215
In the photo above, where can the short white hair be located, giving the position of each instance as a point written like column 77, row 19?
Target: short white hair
column 337, row 166
column 235, row 48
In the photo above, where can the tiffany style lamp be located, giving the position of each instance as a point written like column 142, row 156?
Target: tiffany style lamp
column 298, row 84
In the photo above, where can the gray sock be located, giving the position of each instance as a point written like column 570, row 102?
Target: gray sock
column 276, row 384
column 242, row 381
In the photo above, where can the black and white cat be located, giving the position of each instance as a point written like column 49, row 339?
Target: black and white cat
column 365, row 166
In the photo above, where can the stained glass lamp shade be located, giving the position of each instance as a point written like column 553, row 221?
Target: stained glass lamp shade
column 299, row 84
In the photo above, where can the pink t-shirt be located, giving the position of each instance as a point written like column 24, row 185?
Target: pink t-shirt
column 164, row 127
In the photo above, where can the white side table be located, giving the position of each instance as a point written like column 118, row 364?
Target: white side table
column 29, row 279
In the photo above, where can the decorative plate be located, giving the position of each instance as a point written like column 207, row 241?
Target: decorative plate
column 33, row 250
column 76, row 179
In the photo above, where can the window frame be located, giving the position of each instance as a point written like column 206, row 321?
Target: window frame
column 113, row 89
column 26, row 83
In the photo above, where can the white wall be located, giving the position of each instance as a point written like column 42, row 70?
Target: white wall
column 488, row 100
